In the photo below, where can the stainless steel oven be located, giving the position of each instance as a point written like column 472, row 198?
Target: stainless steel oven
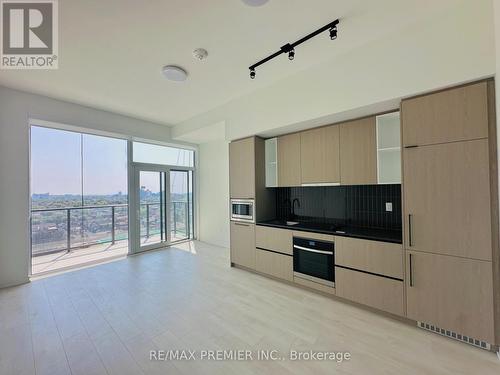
column 243, row 210
column 314, row 260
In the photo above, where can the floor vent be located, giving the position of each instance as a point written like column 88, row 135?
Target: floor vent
column 455, row 336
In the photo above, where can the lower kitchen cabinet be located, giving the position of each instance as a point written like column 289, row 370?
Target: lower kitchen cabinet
column 274, row 264
column 382, row 258
column 452, row 293
column 379, row 292
column 275, row 239
column 243, row 244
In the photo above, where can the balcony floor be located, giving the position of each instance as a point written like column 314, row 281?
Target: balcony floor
column 90, row 255
column 78, row 257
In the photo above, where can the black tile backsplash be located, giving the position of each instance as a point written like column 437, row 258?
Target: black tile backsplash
column 362, row 205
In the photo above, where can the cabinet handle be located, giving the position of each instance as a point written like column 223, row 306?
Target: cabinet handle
column 410, row 237
column 411, row 270
column 241, row 224
column 411, row 146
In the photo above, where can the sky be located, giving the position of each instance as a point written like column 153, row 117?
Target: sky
column 56, row 163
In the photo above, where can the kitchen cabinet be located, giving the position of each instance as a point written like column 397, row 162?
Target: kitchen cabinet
column 273, row 264
column 242, row 168
column 452, row 293
column 289, row 172
column 388, row 148
column 271, row 160
column 379, row 292
column 452, row 115
column 358, row 152
column 447, row 199
column 274, row 239
column 382, row 258
column 320, row 155
column 243, row 244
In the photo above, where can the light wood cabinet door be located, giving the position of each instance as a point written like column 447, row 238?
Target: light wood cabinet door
column 277, row 265
column 243, row 244
column 451, row 293
column 375, row 291
column 274, row 239
column 447, row 199
column 452, row 115
column 320, row 155
column 358, row 152
column 242, row 168
column 382, row 258
column 289, row 173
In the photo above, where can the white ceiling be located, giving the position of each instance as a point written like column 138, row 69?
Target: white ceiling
column 111, row 52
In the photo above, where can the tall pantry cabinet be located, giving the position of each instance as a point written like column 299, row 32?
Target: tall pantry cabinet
column 450, row 206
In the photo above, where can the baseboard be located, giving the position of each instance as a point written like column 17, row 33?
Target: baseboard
column 15, row 284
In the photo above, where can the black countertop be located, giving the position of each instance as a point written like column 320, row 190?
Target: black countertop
column 384, row 235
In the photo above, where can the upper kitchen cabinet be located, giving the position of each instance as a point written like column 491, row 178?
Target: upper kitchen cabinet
column 289, row 171
column 358, row 152
column 453, row 115
column 320, row 155
column 242, row 168
column 271, row 150
column 388, row 149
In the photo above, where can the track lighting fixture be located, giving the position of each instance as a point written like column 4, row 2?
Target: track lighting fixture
column 290, row 47
column 333, row 33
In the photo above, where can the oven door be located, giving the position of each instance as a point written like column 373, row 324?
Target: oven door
column 314, row 260
column 242, row 210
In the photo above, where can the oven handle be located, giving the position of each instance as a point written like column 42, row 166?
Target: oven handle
column 312, row 250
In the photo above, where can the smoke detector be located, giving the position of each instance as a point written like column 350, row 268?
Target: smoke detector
column 200, row 54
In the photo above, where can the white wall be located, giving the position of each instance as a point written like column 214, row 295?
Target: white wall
column 214, row 193
column 453, row 47
column 15, row 109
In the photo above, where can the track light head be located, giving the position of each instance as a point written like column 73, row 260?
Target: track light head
column 291, row 55
column 333, row 33
column 252, row 73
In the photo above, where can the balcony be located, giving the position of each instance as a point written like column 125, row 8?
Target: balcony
column 70, row 236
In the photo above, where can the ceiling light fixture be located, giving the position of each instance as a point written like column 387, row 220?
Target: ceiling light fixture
column 333, row 33
column 255, row 3
column 290, row 47
column 174, row 73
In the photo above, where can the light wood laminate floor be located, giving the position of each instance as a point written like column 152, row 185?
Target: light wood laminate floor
column 106, row 320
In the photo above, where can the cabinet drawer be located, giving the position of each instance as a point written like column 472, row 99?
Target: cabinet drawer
column 382, row 258
column 277, row 265
column 274, row 239
column 375, row 291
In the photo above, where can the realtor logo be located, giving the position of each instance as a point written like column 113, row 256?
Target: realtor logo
column 29, row 34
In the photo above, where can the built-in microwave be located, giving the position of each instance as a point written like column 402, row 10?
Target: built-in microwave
column 243, row 210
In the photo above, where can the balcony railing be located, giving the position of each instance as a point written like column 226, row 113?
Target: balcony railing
column 70, row 228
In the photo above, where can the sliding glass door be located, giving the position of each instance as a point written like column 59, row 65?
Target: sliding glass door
column 150, row 207
column 163, row 206
column 181, row 203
